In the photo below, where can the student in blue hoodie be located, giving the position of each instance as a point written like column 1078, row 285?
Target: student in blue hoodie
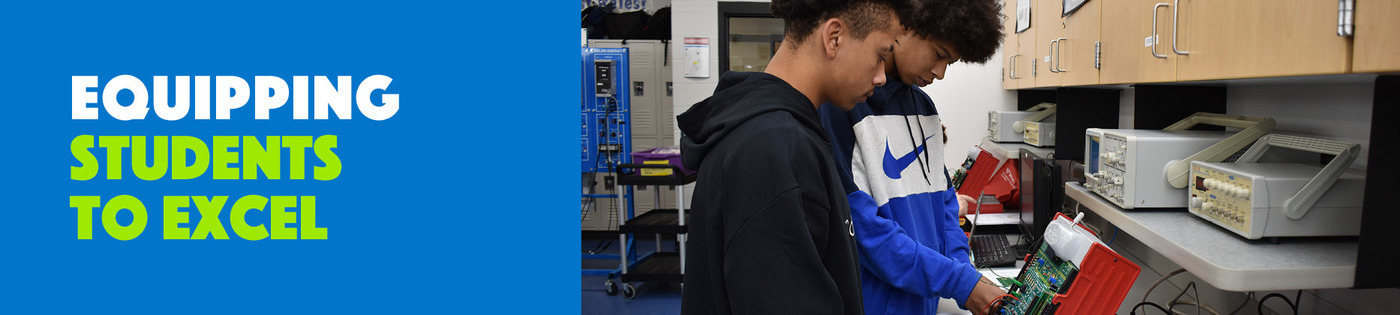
column 890, row 151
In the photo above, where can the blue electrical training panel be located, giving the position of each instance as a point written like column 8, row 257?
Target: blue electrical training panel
column 605, row 111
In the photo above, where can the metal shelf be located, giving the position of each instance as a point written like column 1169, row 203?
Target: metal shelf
column 656, row 221
column 1226, row 260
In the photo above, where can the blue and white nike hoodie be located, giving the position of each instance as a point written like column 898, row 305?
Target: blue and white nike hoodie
column 890, row 151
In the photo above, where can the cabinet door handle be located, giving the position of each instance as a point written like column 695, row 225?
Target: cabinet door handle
column 1013, row 66
column 1060, row 54
column 1176, row 6
column 1049, row 64
column 1152, row 46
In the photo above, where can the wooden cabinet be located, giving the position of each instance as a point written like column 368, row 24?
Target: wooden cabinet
column 1377, row 36
column 1074, row 55
column 1049, row 28
column 1229, row 39
column 1127, row 56
column 1208, row 40
column 1009, row 45
column 1064, row 46
column 1017, row 51
column 1025, row 62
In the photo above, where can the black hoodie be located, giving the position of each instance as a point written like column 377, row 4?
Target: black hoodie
column 770, row 228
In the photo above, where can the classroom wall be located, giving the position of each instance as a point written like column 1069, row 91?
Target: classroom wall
column 963, row 98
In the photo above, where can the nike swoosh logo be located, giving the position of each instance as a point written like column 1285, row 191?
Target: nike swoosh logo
column 895, row 166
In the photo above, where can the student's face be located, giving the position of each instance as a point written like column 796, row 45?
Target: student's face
column 860, row 65
column 920, row 60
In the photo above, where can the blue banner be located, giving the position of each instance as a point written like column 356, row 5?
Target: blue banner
column 337, row 157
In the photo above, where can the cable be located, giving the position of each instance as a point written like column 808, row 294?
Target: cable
column 1190, row 302
column 612, row 165
column 1248, row 297
column 602, row 245
column 1159, row 281
column 597, row 155
column 611, row 105
column 1297, row 300
column 1159, row 307
column 1189, row 286
column 1115, row 236
column 1034, row 246
column 586, row 201
column 994, row 272
column 1292, row 306
column 994, row 302
column 607, row 122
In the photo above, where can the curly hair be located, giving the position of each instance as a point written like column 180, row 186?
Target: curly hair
column 801, row 17
column 972, row 26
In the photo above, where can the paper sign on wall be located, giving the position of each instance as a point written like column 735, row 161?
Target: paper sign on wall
column 697, row 57
column 1023, row 15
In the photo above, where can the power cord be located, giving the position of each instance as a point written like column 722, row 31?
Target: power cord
column 612, row 165
column 994, row 272
column 1159, row 307
column 597, row 157
column 1189, row 286
column 602, row 245
column 1190, row 302
column 1247, row 298
column 1291, row 303
column 1159, row 281
column 1115, row 237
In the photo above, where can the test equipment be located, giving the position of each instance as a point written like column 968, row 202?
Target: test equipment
column 606, row 136
column 606, row 133
column 651, row 117
column 1140, row 168
column 1259, row 200
column 1040, row 133
column 1007, row 126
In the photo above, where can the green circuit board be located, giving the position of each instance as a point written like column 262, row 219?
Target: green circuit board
column 1041, row 277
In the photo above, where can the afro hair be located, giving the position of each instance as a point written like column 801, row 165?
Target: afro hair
column 973, row 27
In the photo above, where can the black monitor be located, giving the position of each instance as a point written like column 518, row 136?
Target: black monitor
column 1042, row 191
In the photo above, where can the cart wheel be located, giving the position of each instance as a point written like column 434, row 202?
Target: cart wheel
column 611, row 288
column 629, row 291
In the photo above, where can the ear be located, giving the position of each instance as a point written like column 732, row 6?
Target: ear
column 831, row 33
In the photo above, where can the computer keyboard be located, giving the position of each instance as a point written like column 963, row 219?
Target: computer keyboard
column 992, row 251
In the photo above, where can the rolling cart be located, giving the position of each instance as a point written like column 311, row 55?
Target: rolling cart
column 657, row 266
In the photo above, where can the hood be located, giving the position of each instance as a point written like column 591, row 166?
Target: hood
column 739, row 97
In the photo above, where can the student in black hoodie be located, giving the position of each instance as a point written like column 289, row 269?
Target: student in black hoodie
column 770, row 229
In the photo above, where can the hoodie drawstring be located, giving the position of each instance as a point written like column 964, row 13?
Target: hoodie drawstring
column 923, row 136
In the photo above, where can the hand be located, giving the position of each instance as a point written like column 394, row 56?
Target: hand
column 964, row 201
column 982, row 295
